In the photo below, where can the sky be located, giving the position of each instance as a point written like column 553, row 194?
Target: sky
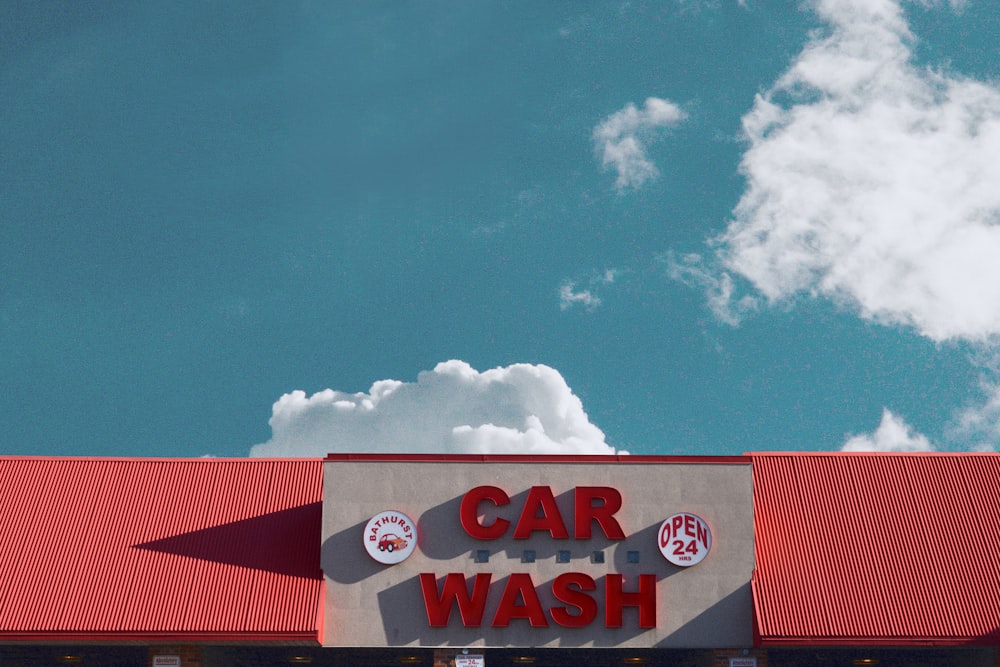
column 687, row 227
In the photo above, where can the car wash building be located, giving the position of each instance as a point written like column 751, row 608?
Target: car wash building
column 502, row 561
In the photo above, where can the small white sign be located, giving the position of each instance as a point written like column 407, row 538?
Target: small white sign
column 470, row 660
column 684, row 539
column 166, row 661
column 390, row 537
column 743, row 662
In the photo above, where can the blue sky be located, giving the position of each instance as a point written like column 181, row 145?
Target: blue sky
column 685, row 227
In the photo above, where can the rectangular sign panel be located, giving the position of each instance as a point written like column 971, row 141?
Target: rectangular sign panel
column 537, row 553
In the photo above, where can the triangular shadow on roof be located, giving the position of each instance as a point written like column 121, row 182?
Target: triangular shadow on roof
column 284, row 542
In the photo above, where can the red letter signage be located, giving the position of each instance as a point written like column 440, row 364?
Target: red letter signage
column 520, row 600
column 585, row 511
column 540, row 498
column 470, row 606
column 562, row 591
column 541, row 513
column 570, row 600
column 469, row 512
column 616, row 599
column 520, row 586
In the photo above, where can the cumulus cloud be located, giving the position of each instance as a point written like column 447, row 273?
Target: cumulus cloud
column 872, row 182
column 453, row 409
column 892, row 435
column 621, row 138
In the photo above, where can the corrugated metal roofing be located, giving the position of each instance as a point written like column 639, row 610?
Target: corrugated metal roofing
column 877, row 548
column 160, row 549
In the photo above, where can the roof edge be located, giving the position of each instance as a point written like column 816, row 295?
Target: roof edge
column 872, row 454
column 110, row 637
column 541, row 458
column 847, row 642
column 156, row 459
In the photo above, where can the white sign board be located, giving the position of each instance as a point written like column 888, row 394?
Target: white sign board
column 685, row 539
column 390, row 537
column 469, row 660
column 166, row 661
column 743, row 662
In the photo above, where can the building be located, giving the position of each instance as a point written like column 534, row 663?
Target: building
column 502, row 561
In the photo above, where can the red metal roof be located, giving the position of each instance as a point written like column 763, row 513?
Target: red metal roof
column 160, row 549
column 877, row 548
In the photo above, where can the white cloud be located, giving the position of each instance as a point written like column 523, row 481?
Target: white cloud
column 873, row 182
column 621, row 138
column 522, row 408
column 691, row 270
column 699, row 5
column 892, row 435
column 569, row 296
column 978, row 426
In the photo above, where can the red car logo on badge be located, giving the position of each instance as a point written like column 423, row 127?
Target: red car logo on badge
column 390, row 537
column 685, row 539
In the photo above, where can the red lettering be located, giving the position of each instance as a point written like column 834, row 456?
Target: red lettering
column 585, row 512
column 540, row 499
column 520, row 600
column 689, row 525
column 519, row 586
column 541, row 513
column 469, row 512
column 569, row 588
column 702, row 533
column 454, row 590
column 616, row 599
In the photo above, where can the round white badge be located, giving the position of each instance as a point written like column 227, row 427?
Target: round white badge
column 684, row 539
column 390, row 537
